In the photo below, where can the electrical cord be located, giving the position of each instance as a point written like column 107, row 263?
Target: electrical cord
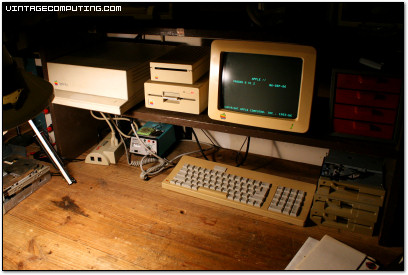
column 213, row 141
column 145, row 174
column 72, row 160
column 163, row 163
column 121, row 134
column 152, row 157
column 340, row 172
column 143, row 144
column 238, row 153
column 124, row 143
column 152, row 170
column 143, row 161
column 116, row 119
column 248, row 140
column 161, row 166
column 198, row 143
column 114, row 140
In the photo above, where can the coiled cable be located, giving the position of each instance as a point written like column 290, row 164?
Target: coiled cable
column 152, row 157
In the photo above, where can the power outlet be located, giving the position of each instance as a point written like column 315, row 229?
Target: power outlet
column 105, row 153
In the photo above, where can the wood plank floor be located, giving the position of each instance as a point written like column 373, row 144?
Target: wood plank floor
column 112, row 220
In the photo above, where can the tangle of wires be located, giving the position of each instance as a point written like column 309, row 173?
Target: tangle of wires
column 152, row 157
column 339, row 172
column 239, row 159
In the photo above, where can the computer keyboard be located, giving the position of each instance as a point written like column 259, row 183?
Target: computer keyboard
column 268, row 195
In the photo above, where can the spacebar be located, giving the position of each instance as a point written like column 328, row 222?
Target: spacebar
column 212, row 192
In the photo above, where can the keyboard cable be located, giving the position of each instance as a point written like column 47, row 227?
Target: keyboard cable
column 248, row 140
column 198, row 143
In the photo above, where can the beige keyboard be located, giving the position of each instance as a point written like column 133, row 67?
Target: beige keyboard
column 259, row 193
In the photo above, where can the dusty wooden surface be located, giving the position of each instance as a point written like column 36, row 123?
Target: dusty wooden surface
column 113, row 220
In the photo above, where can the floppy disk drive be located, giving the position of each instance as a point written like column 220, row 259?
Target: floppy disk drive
column 186, row 98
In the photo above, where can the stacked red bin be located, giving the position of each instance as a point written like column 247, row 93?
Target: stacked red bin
column 366, row 105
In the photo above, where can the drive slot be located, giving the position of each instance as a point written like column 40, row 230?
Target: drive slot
column 184, row 98
column 170, row 97
column 170, row 69
column 154, row 95
column 171, row 94
column 171, row 100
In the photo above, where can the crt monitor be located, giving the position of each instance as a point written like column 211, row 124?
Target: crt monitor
column 262, row 84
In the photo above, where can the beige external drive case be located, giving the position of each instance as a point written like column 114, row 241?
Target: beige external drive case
column 185, row 98
column 184, row 64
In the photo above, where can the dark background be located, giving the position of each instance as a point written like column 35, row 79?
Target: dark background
column 341, row 32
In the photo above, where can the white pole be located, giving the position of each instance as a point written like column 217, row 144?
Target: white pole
column 50, row 153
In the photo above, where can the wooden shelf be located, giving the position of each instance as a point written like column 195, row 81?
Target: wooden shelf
column 316, row 136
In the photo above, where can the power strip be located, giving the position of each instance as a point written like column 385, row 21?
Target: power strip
column 105, row 153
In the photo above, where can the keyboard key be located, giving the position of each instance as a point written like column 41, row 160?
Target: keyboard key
column 300, row 196
column 299, row 199
column 295, row 211
column 258, row 196
column 220, row 168
column 179, row 177
column 287, row 208
column 244, row 180
column 244, row 200
column 275, row 209
column 186, row 185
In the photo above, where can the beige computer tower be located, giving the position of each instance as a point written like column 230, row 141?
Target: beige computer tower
column 107, row 77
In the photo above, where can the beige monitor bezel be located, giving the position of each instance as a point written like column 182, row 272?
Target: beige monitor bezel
column 307, row 53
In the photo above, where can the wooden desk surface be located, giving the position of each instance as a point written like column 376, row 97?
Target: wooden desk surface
column 113, row 220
